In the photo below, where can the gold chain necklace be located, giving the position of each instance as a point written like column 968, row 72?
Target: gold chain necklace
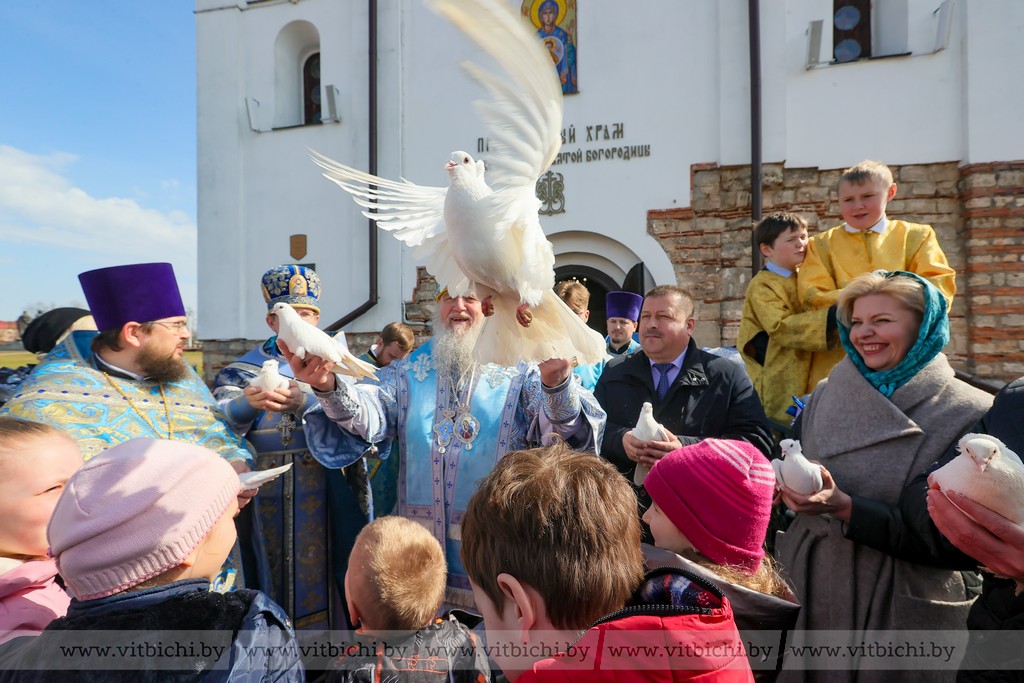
column 163, row 397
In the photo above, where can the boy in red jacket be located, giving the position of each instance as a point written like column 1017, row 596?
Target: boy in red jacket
column 551, row 545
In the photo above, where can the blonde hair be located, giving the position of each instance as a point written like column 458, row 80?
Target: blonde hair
column 765, row 579
column 575, row 295
column 907, row 291
column 397, row 575
column 865, row 171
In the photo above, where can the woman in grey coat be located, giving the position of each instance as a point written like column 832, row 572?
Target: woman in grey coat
column 885, row 413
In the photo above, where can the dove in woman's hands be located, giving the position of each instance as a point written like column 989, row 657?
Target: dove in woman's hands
column 988, row 472
column 795, row 471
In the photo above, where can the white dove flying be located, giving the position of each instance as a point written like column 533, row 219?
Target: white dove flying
column 488, row 238
column 304, row 338
column 987, row 472
column 647, row 429
column 269, row 377
column 795, row 471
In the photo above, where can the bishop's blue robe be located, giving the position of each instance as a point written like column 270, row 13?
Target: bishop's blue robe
column 443, row 459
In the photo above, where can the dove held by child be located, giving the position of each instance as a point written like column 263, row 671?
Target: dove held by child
column 254, row 480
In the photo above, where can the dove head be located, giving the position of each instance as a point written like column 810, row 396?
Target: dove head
column 282, row 310
column 462, row 165
column 980, row 450
column 647, row 409
column 787, row 446
column 270, row 365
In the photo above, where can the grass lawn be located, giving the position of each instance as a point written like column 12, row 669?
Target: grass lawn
column 15, row 359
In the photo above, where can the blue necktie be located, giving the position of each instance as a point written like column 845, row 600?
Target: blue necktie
column 662, row 388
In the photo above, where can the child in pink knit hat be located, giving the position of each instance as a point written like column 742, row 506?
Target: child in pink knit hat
column 138, row 533
column 712, row 501
column 35, row 461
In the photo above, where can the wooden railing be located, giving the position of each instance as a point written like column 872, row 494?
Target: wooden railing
column 990, row 385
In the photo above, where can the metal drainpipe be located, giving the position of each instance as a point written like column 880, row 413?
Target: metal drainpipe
column 754, row 20
column 371, row 299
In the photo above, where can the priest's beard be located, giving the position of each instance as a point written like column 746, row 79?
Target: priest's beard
column 158, row 367
column 453, row 349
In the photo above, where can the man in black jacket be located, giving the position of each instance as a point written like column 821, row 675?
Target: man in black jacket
column 695, row 395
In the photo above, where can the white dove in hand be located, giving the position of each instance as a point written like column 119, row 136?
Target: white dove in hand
column 647, row 429
column 487, row 238
column 795, row 471
column 269, row 377
column 987, row 472
column 303, row 338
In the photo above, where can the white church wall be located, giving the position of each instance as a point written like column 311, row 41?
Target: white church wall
column 667, row 81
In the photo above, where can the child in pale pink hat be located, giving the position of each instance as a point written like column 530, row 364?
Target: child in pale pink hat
column 35, row 461
column 138, row 534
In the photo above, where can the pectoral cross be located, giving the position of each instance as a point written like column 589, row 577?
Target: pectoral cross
column 285, row 427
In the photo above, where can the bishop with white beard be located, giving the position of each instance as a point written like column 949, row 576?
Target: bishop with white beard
column 453, row 418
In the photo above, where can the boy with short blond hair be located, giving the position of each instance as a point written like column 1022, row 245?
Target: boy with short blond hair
column 551, row 545
column 394, row 586
column 396, row 575
column 868, row 241
column 777, row 338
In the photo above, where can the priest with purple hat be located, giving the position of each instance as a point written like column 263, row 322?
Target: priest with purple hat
column 622, row 310
column 130, row 378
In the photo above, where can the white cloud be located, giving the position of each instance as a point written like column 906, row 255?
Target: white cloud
column 39, row 206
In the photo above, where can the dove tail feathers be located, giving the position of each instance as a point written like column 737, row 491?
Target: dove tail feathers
column 354, row 367
column 556, row 332
column 350, row 364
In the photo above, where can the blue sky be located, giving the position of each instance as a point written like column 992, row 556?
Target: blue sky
column 97, row 144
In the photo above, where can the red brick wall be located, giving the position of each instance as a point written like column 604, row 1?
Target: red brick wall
column 992, row 196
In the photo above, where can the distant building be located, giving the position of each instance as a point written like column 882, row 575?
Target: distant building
column 653, row 183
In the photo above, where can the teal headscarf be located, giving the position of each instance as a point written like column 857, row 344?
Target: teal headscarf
column 932, row 337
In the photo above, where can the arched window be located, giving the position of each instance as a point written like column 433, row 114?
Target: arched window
column 297, row 75
column 311, row 89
